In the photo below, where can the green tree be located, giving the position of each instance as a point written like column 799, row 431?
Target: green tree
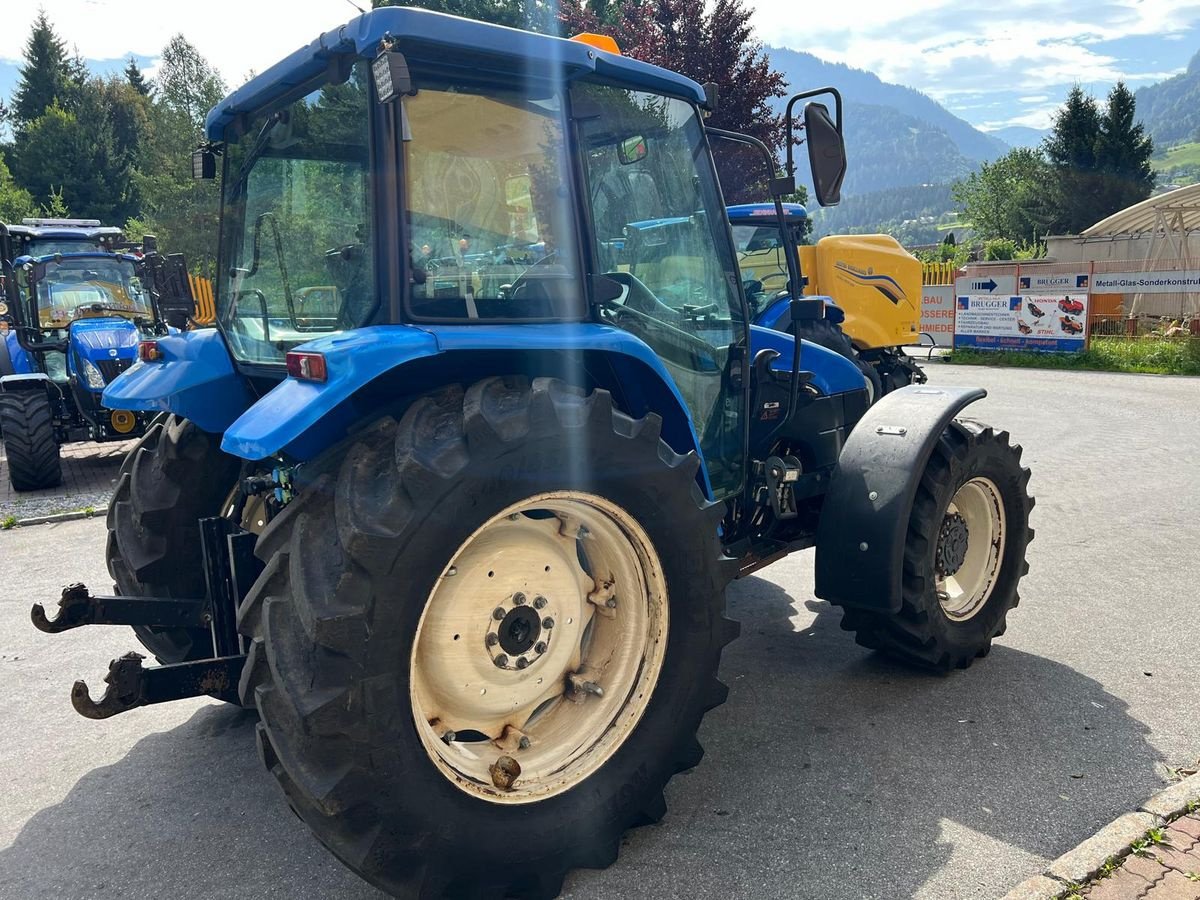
column 1071, row 151
column 136, row 79
column 1006, row 198
column 45, row 77
column 15, row 201
column 536, row 15
column 180, row 211
column 1123, row 152
column 187, row 84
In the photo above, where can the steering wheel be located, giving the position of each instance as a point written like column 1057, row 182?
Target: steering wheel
column 524, row 277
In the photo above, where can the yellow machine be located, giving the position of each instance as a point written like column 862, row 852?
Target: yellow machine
column 875, row 281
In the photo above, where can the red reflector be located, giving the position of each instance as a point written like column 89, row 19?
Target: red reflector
column 148, row 351
column 306, row 366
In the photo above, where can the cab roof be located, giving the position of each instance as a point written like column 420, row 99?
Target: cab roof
column 756, row 212
column 425, row 36
column 63, row 229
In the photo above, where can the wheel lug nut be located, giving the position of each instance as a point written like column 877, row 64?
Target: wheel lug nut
column 519, row 598
column 501, row 661
column 540, row 648
column 493, row 639
column 547, row 622
column 539, row 603
column 522, row 662
column 497, row 614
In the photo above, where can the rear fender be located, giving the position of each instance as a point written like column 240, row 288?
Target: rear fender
column 303, row 418
column 194, row 379
column 29, row 381
column 864, row 519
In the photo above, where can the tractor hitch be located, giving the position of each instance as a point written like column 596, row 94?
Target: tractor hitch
column 78, row 607
column 130, row 685
column 230, row 568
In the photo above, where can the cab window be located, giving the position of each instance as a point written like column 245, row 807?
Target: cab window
column 489, row 214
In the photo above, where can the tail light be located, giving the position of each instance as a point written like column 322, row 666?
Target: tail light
column 307, row 366
column 148, row 351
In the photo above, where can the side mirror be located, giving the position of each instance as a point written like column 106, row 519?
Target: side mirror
column 204, row 164
column 782, row 187
column 632, row 150
column 807, row 309
column 149, row 244
column 826, row 154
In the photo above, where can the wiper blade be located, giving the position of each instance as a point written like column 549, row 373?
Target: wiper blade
column 254, row 152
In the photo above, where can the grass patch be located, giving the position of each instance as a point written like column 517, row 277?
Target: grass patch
column 1179, row 156
column 1146, row 356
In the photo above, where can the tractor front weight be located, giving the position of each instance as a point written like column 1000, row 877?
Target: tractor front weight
column 230, row 567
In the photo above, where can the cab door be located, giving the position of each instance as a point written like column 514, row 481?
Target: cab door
column 658, row 228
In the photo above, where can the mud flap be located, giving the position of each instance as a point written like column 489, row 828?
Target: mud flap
column 864, row 519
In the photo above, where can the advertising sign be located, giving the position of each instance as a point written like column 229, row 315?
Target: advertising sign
column 995, row 285
column 1045, row 282
column 1146, row 282
column 937, row 313
column 1052, row 322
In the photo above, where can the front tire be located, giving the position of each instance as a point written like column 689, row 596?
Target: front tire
column 173, row 477
column 964, row 556
column 830, row 336
column 27, row 422
column 394, row 661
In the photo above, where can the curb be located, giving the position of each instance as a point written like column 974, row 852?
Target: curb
column 1085, row 861
column 63, row 517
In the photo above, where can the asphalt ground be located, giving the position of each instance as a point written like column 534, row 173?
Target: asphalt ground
column 830, row 773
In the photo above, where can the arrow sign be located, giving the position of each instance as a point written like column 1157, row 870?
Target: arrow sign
column 989, row 285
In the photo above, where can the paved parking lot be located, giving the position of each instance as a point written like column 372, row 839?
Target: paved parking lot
column 89, row 473
column 830, row 773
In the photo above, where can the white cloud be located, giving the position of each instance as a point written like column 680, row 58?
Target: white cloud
column 1032, row 49
column 236, row 37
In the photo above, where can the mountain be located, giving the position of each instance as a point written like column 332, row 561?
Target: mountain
column 887, row 149
column 804, row 71
column 1170, row 110
column 1021, row 135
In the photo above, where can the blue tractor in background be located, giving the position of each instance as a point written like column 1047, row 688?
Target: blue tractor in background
column 77, row 301
column 461, row 533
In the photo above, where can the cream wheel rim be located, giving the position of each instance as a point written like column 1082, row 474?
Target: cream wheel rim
column 970, row 548
column 539, row 647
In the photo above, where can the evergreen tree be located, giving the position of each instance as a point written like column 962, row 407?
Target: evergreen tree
column 1123, row 153
column 188, row 85
column 15, row 201
column 534, row 15
column 1071, row 151
column 136, row 79
column 45, row 78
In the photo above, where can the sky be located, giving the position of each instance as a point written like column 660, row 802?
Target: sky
column 991, row 63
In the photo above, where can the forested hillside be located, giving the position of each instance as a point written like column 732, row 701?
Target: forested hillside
column 1170, row 109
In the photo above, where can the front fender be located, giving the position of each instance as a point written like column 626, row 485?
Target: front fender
column 864, row 518
column 194, row 379
column 302, row 418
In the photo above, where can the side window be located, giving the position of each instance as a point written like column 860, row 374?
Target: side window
column 661, row 232
column 489, row 215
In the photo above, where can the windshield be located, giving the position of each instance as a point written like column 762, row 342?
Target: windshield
column 50, row 246
column 297, row 248
column 72, row 289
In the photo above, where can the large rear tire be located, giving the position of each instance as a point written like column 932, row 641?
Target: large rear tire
column 173, row 477
column 27, row 422
column 434, row 734
column 964, row 555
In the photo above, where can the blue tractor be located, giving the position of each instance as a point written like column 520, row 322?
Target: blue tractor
column 461, row 533
column 77, row 300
